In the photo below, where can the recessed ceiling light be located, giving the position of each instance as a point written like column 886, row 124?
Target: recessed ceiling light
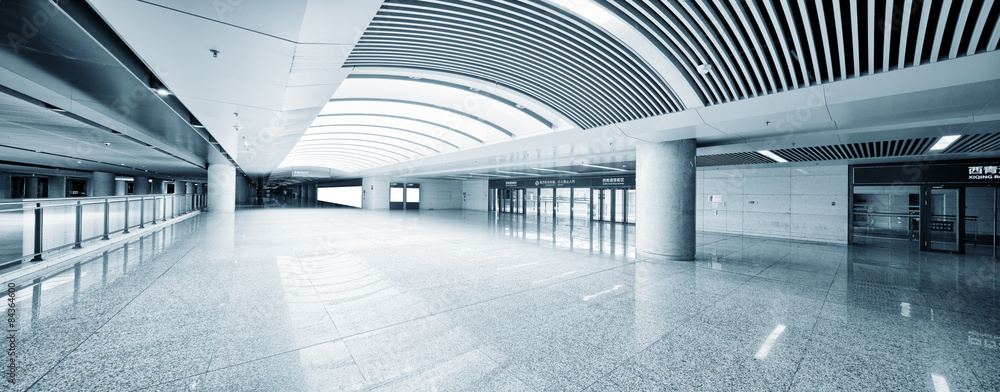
column 772, row 155
column 944, row 142
column 602, row 167
column 553, row 170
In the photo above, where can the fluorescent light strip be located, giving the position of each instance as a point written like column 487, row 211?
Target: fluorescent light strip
column 602, row 167
column 944, row 142
column 766, row 348
column 487, row 175
column 552, row 170
column 772, row 155
column 940, row 383
column 527, row 174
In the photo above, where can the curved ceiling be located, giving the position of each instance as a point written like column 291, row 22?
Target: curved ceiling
column 375, row 120
column 536, row 48
column 556, row 61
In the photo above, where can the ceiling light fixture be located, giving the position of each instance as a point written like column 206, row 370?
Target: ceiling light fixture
column 553, row 170
column 54, row 109
column 158, row 87
column 944, row 142
column 602, row 167
column 487, row 175
column 195, row 123
column 772, row 155
column 527, row 174
column 705, row 68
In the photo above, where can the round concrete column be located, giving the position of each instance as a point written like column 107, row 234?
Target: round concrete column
column 121, row 187
column 156, row 187
column 103, row 184
column 221, row 188
column 665, row 193
column 140, row 185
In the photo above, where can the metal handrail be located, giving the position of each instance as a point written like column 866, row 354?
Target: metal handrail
column 180, row 204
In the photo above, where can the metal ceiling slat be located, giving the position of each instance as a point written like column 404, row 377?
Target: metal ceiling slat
column 571, row 41
column 762, row 28
column 718, row 48
column 699, row 37
column 939, row 30
column 573, row 113
column 385, row 127
column 442, row 126
column 994, row 37
column 613, row 69
column 746, row 78
column 418, row 56
column 372, row 149
column 925, row 15
column 326, row 135
column 595, row 84
column 469, row 34
column 375, row 159
column 678, row 51
column 904, row 32
column 761, row 56
column 887, row 37
column 871, row 37
column 854, row 37
column 308, row 141
column 776, row 22
column 661, row 95
column 842, row 54
column 345, row 160
column 977, row 32
column 694, row 53
column 428, row 105
column 793, row 29
column 825, row 35
column 803, row 11
column 963, row 18
column 456, row 86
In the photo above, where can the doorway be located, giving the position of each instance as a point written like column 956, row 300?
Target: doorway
column 613, row 205
column 510, row 200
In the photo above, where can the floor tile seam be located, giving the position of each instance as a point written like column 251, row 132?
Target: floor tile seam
column 326, row 309
column 442, row 312
column 96, row 330
column 806, row 351
column 644, row 349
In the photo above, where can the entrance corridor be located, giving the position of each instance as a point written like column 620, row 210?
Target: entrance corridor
column 337, row 299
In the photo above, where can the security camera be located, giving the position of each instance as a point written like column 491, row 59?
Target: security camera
column 107, row 144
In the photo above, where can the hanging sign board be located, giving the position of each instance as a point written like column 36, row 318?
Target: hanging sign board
column 966, row 172
column 574, row 182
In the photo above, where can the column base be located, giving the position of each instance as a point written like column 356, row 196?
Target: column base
column 661, row 257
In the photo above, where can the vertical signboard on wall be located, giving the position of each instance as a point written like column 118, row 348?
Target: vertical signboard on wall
column 412, row 196
column 396, row 200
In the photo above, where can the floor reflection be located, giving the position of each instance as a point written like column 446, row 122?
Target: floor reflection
column 578, row 235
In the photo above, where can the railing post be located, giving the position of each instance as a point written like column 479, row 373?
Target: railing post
column 107, row 219
column 154, row 210
column 79, row 225
column 164, row 208
column 142, row 212
column 126, row 216
column 38, row 232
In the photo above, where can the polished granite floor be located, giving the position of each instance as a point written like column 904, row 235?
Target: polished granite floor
column 336, row 299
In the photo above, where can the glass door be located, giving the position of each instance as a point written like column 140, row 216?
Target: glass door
column 531, row 200
column 944, row 217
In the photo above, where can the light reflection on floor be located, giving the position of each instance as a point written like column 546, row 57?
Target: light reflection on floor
column 330, row 299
